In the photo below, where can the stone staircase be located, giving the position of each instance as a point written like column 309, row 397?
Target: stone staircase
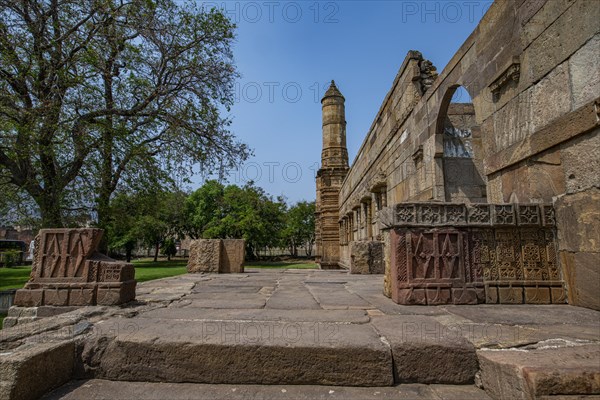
column 299, row 334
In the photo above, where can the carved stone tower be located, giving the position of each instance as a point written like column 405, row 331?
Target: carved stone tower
column 334, row 167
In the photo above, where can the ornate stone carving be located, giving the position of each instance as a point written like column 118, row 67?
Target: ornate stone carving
column 504, row 214
column 506, row 249
column 67, row 270
column 479, row 214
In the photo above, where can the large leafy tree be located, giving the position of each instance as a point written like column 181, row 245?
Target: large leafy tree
column 218, row 211
column 299, row 230
column 101, row 94
column 149, row 218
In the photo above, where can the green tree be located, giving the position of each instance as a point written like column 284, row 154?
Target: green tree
column 299, row 230
column 95, row 95
column 169, row 248
column 217, row 211
column 204, row 209
column 150, row 218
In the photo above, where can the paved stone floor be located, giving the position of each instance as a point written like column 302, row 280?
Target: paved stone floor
column 262, row 333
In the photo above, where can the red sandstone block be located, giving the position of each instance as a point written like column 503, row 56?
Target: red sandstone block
column 56, row 297
column 438, row 296
column 539, row 295
column 29, row 298
column 464, row 296
column 510, row 295
column 558, row 295
column 411, row 296
column 109, row 296
column 82, row 297
column 491, row 295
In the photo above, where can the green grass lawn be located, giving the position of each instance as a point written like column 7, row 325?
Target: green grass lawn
column 145, row 270
column 14, row 278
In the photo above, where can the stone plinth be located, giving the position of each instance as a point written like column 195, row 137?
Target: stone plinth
column 205, row 256
column 68, row 270
column 232, row 256
column 447, row 253
column 367, row 257
column 217, row 256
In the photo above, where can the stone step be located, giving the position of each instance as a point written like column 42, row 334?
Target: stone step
column 102, row 389
column 309, row 347
column 238, row 352
column 554, row 368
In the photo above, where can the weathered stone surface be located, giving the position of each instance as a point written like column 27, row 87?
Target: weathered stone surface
column 216, row 256
column 99, row 389
column 367, row 257
column 579, row 158
column 292, row 297
column 29, row 373
column 585, row 72
column 582, row 273
column 333, row 295
column 426, row 351
column 578, row 219
column 387, row 279
column 233, row 352
column 551, row 97
column 233, row 256
column 546, row 369
column 205, row 256
column 68, row 270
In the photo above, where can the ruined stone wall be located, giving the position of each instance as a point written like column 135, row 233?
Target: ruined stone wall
column 532, row 70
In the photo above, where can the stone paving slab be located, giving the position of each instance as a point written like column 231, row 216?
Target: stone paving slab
column 292, row 297
column 191, row 314
column 109, row 390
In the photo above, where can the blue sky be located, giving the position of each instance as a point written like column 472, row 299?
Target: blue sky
column 287, row 53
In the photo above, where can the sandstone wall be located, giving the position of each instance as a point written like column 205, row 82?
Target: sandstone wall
column 532, row 69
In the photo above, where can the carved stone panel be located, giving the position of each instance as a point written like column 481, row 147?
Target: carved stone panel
column 67, row 270
column 508, row 249
column 62, row 253
column 435, row 255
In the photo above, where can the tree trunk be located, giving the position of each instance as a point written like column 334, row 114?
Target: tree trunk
column 128, row 254
column 156, row 248
column 50, row 211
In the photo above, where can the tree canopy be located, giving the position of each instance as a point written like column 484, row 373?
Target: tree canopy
column 101, row 95
column 158, row 219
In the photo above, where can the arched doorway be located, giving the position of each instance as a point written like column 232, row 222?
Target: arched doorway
column 462, row 162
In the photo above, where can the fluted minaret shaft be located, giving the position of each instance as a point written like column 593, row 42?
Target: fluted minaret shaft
column 334, row 167
column 334, row 152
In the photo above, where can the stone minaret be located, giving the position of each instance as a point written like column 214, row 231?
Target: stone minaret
column 334, row 167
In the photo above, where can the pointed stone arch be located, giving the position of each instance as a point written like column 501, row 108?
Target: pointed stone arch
column 460, row 146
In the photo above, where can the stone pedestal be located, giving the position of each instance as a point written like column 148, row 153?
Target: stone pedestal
column 217, row 256
column 67, row 270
